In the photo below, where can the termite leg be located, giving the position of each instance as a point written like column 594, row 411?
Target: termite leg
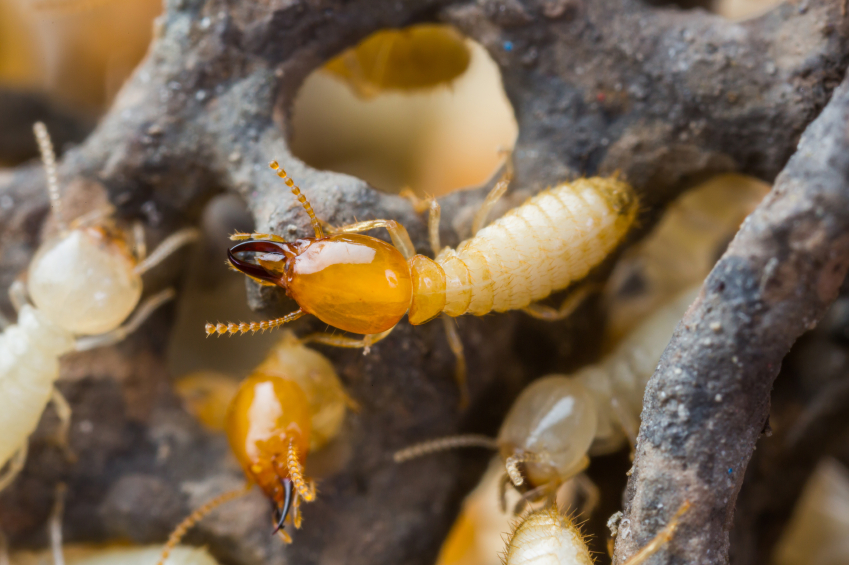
column 63, row 411
column 139, row 241
column 400, row 238
column 56, row 525
column 456, row 345
column 297, row 519
column 433, row 227
column 141, row 314
column 343, row 341
column 4, row 549
column 419, row 204
column 569, row 305
column 502, row 492
column 493, row 197
column 241, row 236
column 630, row 424
column 15, row 466
column 535, row 494
column 171, row 244
column 18, row 295
column 590, row 492
column 658, row 541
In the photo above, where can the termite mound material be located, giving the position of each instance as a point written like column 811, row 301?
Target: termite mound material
column 208, row 108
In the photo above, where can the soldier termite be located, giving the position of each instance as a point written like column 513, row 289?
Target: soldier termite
column 291, row 404
column 557, row 420
column 547, row 537
column 84, row 283
column 363, row 285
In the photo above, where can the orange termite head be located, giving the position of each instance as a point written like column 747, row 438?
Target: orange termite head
column 268, row 428
column 272, row 259
column 353, row 282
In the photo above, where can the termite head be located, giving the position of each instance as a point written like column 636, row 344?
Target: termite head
column 268, row 427
column 272, row 259
column 549, row 430
column 85, row 280
column 353, row 282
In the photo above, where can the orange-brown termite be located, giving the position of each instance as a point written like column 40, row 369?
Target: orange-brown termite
column 364, row 285
column 291, row 404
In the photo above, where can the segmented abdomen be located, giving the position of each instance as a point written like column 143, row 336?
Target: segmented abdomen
column 29, row 365
column 539, row 247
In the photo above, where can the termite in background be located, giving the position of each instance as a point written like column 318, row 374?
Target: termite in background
column 292, row 403
column 548, row 537
column 84, row 283
column 557, row 421
column 81, row 554
column 362, row 285
column 818, row 532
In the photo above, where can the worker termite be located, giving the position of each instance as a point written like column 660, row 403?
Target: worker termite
column 547, row 537
column 79, row 554
column 83, row 283
column 363, row 285
column 557, row 420
column 290, row 405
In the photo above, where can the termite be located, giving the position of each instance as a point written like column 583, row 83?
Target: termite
column 818, row 531
column 547, row 537
column 363, row 285
column 79, row 554
column 83, row 284
column 558, row 420
column 290, row 405
column 403, row 60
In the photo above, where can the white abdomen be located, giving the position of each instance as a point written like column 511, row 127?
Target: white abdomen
column 539, row 247
column 29, row 365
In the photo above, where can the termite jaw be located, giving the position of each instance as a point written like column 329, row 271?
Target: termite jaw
column 281, row 513
column 271, row 259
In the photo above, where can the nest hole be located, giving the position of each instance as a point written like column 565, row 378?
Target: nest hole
column 420, row 108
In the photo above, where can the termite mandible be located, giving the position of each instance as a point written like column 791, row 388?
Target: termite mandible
column 363, row 285
column 290, row 405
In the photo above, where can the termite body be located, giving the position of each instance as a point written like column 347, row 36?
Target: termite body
column 558, row 420
column 83, row 284
column 291, row 404
column 547, row 537
column 364, row 285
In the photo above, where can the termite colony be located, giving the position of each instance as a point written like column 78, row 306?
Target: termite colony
column 84, row 283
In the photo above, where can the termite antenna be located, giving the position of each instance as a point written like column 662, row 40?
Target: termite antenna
column 56, row 524
column 253, row 327
column 443, row 444
column 306, row 489
column 196, row 517
column 48, row 157
column 316, row 224
column 511, row 464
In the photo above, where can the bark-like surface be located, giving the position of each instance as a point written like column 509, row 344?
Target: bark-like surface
column 664, row 96
column 708, row 402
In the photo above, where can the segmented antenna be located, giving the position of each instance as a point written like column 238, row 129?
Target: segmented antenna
column 296, row 472
column 511, row 464
column 316, row 225
column 48, row 157
column 232, row 328
column 196, row 517
column 444, row 444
